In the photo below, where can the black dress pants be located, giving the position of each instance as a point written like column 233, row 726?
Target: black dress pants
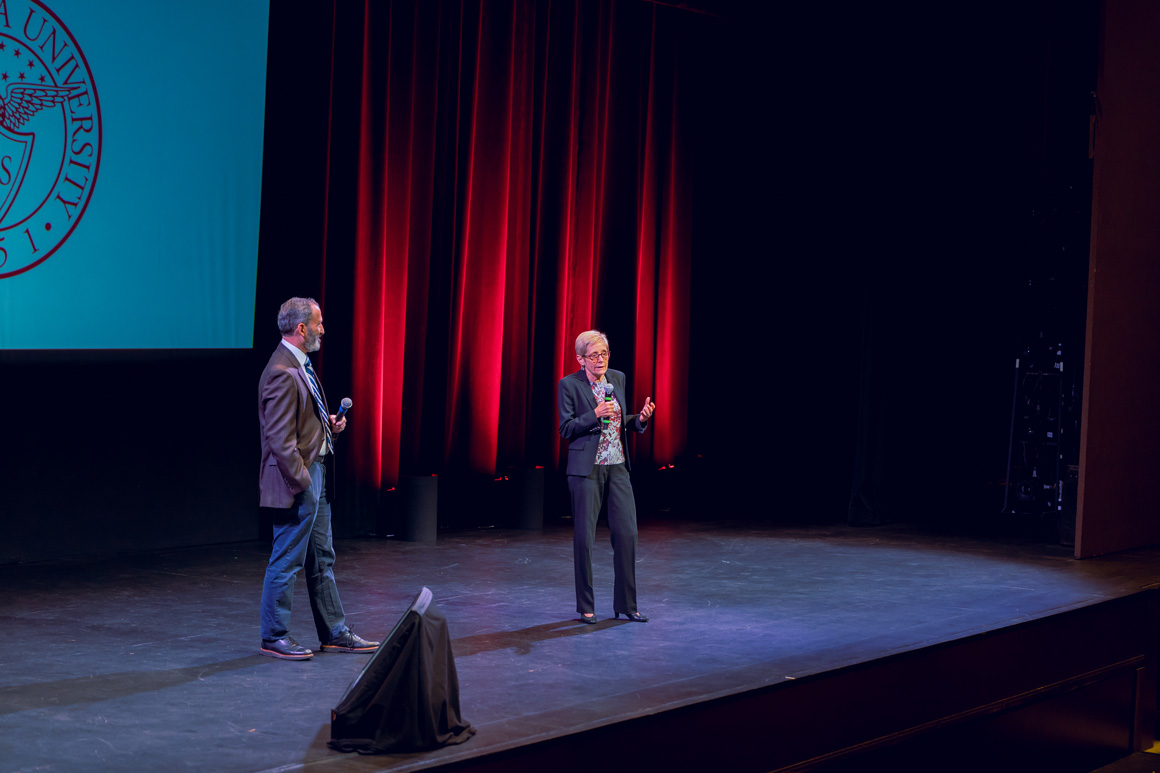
column 607, row 483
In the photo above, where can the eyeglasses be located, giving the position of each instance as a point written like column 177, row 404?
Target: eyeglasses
column 596, row 357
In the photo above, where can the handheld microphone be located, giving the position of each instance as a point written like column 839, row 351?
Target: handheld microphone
column 607, row 397
column 343, row 407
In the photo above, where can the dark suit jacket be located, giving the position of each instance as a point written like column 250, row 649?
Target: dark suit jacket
column 578, row 422
column 292, row 433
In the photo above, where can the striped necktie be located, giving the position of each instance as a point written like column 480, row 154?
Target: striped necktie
column 312, row 382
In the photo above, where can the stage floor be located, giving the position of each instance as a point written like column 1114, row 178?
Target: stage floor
column 150, row 662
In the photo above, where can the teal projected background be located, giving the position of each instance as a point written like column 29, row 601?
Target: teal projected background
column 135, row 225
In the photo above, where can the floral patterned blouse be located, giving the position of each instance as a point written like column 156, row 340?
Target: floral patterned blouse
column 609, row 451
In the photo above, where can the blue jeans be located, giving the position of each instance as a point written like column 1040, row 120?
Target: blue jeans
column 302, row 538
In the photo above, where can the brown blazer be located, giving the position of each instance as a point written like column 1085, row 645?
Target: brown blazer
column 292, row 433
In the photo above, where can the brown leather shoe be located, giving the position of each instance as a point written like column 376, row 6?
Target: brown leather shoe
column 349, row 641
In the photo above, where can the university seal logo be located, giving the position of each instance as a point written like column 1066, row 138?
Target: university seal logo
column 50, row 135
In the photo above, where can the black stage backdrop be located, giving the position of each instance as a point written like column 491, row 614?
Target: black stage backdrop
column 811, row 247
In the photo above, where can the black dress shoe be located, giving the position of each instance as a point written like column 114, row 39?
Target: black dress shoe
column 590, row 619
column 635, row 617
column 285, row 648
column 349, row 641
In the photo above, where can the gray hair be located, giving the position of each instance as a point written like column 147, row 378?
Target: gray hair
column 587, row 338
column 293, row 312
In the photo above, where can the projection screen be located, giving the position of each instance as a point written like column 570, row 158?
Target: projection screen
column 130, row 172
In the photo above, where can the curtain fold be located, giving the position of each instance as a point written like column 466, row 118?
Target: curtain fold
column 519, row 173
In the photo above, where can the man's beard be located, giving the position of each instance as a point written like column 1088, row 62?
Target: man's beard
column 313, row 341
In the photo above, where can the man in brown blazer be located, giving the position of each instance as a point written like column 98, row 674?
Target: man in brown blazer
column 297, row 440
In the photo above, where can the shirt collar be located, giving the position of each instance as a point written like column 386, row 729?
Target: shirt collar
column 298, row 353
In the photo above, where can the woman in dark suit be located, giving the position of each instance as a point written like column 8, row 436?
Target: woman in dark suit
column 594, row 421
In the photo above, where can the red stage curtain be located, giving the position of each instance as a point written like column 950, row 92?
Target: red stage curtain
column 519, row 173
